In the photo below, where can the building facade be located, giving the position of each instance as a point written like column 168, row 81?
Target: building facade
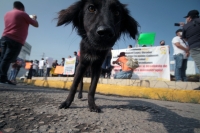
column 25, row 51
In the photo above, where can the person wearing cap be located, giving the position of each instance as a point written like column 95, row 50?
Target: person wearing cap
column 130, row 46
column 191, row 33
column 162, row 43
column 180, row 56
column 14, row 36
column 126, row 72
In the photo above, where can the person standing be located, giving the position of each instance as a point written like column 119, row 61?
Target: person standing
column 126, row 72
column 130, row 46
column 162, row 43
column 191, row 33
column 77, row 60
column 41, row 67
column 62, row 62
column 107, row 62
column 30, row 71
column 13, row 72
column 55, row 63
column 13, row 37
column 48, row 63
column 19, row 65
column 180, row 56
column 35, row 68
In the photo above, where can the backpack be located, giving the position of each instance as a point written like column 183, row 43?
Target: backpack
column 132, row 63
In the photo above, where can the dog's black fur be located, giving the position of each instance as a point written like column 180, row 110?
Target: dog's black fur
column 103, row 73
column 100, row 23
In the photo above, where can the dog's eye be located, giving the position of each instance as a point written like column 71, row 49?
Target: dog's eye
column 116, row 13
column 91, row 8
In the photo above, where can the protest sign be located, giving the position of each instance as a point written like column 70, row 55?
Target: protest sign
column 59, row 70
column 153, row 61
column 146, row 39
column 69, row 66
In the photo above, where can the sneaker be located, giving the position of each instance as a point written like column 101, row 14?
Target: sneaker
column 7, row 82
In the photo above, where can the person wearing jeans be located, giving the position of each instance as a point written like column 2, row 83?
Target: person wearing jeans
column 10, row 49
column 106, row 63
column 13, row 38
column 191, row 33
column 41, row 67
column 181, row 54
column 13, row 72
column 126, row 72
column 180, row 67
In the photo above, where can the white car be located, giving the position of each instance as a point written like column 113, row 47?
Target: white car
column 24, row 76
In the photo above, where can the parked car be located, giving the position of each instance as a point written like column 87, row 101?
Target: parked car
column 24, row 76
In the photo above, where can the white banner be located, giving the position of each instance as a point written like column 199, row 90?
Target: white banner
column 69, row 67
column 153, row 61
column 49, row 62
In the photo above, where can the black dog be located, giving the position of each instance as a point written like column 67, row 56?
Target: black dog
column 103, row 73
column 100, row 23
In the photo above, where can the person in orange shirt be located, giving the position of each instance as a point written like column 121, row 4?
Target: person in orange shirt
column 126, row 72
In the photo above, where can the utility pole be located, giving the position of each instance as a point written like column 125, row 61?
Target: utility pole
column 43, row 55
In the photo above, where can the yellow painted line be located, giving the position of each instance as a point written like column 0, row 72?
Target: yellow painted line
column 165, row 94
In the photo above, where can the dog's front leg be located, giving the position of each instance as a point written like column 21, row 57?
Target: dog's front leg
column 96, row 70
column 77, row 78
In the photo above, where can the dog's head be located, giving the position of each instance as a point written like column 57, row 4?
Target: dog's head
column 99, row 22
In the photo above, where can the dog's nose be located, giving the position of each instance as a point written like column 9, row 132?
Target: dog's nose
column 104, row 31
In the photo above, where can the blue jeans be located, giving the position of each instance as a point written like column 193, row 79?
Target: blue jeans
column 48, row 72
column 10, row 49
column 12, row 75
column 180, row 67
column 34, row 72
column 41, row 72
column 123, row 75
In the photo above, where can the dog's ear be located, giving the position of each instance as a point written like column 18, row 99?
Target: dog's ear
column 129, row 24
column 71, row 14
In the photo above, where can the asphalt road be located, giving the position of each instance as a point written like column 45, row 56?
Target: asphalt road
column 25, row 108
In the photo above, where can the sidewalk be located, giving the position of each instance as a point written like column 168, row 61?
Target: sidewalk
column 159, row 90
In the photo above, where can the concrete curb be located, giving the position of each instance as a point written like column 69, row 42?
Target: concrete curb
column 165, row 94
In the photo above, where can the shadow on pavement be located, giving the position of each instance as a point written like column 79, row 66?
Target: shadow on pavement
column 173, row 122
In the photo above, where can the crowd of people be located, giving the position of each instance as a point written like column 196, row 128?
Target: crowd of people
column 186, row 43
column 46, row 67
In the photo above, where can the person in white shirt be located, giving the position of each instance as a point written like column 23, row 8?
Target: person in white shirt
column 181, row 53
column 49, row 62
column 41, row 67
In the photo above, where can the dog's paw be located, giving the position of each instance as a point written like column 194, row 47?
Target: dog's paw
column 80, row 96
column 64, row 105
column 94, row 109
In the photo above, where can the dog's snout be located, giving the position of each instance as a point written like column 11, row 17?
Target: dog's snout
column 104, row 31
